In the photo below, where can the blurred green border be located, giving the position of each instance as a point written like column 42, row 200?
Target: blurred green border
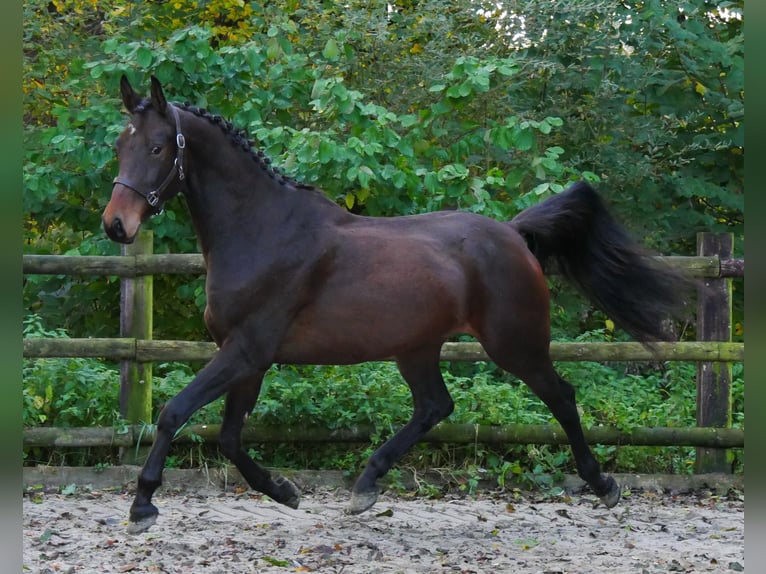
column 755, row 84
column 11, row 233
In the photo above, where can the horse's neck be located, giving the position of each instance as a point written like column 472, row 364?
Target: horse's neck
column 230, row 207
column 235, row 201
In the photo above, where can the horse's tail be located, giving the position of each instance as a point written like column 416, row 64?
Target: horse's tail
column 575, row 230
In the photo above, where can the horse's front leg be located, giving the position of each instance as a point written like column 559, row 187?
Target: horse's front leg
column 228, row 368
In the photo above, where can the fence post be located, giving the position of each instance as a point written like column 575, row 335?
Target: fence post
column 136, row 322
column 714, row 323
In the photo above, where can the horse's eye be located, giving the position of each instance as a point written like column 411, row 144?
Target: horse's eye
column 156, row 150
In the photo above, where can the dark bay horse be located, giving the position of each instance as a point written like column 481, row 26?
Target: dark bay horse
column 294, row 278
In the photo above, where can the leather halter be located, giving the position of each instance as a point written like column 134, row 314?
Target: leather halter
column 154, row 197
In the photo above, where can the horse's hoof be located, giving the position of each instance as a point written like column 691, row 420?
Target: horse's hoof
column 142, row 516
column 293, row 502
column 289, row 495
column 612, row 496
column 141, row 525
column 361, row 501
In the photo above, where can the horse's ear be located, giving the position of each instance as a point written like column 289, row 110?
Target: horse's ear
column 129, row 97
column 158, row 98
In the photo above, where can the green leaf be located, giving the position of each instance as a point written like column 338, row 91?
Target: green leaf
column 590, row 177
column 273, row 49
column 452, row 172
column 513, row 178
column 364, row 176
column 502, row 137
column 431, row 182
column 144, row 57
column 524, row 139
column 541, row 189
column 507, row 68
column 408, row 120
column 331, row 50
column 326, row 151
column 275, row 561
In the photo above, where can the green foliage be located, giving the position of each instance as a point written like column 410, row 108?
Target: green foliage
column 67, row 392
column 673, row 75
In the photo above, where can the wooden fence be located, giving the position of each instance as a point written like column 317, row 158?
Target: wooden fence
column 135, row 349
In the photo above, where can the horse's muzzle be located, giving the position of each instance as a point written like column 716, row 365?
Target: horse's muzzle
column 116, row 232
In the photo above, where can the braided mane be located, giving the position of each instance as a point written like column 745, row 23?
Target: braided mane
column 238, row 137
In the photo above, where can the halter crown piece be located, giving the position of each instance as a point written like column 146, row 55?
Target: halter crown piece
column 154, row 197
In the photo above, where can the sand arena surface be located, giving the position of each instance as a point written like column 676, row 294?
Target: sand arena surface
column 213, row 531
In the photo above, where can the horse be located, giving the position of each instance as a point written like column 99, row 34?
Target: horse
column 292, row 277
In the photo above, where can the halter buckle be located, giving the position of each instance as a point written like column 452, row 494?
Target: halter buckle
column 180, row 169
column 153, row 198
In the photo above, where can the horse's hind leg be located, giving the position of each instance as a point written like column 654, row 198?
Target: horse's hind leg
column 537, row 371
column 563, row 406
column 433, row 403
column 239, row 403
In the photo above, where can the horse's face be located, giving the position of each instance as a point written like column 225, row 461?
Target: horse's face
column 146, row 152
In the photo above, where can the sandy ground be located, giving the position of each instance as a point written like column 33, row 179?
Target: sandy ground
column 213, row 531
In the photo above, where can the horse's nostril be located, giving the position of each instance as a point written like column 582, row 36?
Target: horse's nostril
column 117, row 227
column 115, row 230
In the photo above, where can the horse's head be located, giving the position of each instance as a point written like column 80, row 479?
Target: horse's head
column 150, row 154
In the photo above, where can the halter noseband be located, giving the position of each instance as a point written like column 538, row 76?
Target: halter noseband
column 154, row 197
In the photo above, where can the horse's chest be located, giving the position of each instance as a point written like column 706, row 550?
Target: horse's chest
column 261, row 304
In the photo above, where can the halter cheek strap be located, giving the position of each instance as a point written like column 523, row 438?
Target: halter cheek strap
column 154, row 197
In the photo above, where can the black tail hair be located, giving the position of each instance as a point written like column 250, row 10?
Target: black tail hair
column 576, row 231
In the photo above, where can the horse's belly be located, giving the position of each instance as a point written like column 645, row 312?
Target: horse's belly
column 358, row 333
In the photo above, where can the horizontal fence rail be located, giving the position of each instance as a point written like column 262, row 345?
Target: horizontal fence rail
column 448, row 433
column 193, row 264
column 119, row 265
column 157, row 350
